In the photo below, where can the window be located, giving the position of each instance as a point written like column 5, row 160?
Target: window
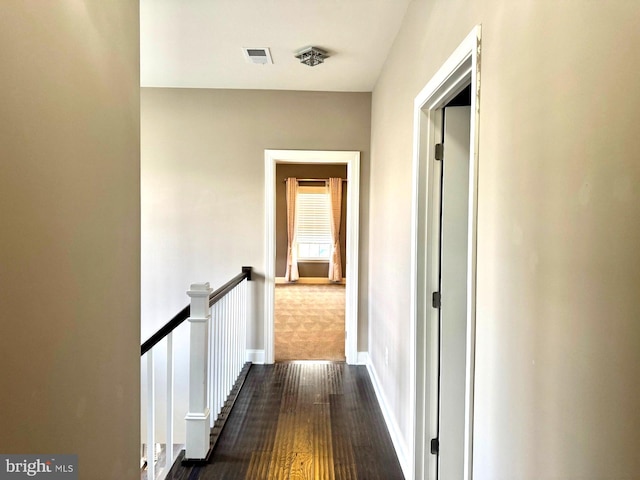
column 313, row 227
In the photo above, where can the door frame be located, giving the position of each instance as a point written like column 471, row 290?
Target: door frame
column 461, row 69
column 352, row 160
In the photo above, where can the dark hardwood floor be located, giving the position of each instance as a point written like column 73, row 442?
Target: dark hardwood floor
column 303, row 420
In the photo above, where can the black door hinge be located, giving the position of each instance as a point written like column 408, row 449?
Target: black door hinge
column 435, row 446
column 435, row 300
column 439, row 153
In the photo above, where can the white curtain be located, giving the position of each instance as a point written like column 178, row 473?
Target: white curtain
column 335, row 197
column 291, row 274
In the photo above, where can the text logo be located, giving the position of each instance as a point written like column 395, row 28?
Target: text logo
column 49, row 467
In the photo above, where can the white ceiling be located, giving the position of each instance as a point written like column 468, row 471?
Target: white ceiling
column 198, row 43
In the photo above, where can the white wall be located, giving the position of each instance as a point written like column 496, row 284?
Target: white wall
column 558, row 232
column 70, row 241
column 203, row 189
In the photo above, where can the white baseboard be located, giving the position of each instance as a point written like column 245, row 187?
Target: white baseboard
column 363, row 358
column 310, row 281
column 255, row 356
column 394, row 430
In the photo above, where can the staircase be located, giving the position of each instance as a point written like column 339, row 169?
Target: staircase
column 217, row 339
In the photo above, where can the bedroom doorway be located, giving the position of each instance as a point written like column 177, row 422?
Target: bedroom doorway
column 309, row 315
column 273, row 270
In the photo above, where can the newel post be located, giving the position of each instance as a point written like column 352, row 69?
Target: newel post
column 198, row 422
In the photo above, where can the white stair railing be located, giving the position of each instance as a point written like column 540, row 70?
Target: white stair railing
column 217, row 355
column 228, row 337
column 149, row 454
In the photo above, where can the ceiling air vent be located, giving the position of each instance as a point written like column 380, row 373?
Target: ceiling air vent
column 260, row 56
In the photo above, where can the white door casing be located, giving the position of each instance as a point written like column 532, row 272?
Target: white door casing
column 461, row 69
column 352, row 160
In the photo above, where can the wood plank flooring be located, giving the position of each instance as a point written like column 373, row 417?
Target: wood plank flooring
column 303, row 420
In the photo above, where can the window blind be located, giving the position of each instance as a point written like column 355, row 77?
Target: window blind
column 313, row 216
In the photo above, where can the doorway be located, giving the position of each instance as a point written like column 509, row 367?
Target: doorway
column 309, row 318
column 452, row 293
column 444, row 255
column 352, row 161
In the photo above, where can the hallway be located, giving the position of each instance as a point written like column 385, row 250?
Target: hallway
column 303, row 420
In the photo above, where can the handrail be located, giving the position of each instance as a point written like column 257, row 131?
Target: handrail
column 183, row 314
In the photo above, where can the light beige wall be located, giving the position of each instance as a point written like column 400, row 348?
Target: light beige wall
column 558, row 230
column 70, row 241
column 203, row 184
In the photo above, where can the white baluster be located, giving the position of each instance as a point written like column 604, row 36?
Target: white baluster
column 229, row 345
column 218, row 358
column 245, row 308
column 239, row 321
column 238, row 329
column 234, row 338
column 225, row 348
column 245, row 320
column 169, row 441
column 243, row 331
column 216, row 366
column 212, row 397
column 197, row 419
column 218, row 370
column 220, row 366
column 151, row 424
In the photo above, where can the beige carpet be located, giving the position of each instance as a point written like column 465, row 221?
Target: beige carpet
column 309, row 322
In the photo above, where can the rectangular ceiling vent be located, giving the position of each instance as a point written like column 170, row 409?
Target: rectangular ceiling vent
column 261, row 56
